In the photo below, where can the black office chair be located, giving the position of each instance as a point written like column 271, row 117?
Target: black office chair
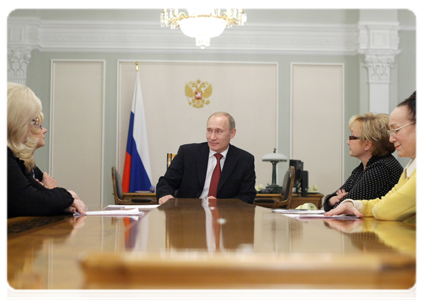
column 129, row 198
column 286, row 195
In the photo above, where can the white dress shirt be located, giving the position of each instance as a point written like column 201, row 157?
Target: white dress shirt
column 410, row 168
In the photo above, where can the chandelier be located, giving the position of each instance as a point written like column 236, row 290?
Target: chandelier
column 202, row 23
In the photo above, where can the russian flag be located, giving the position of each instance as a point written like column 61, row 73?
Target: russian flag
column 137, row 169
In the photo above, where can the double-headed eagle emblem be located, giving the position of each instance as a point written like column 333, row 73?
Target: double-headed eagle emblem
column 198, row 93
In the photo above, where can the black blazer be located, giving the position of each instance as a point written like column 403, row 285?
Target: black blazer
column 26, row 197
column 187, row 173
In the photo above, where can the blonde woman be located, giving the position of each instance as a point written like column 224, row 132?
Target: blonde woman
column 399, row 204
column 378, row 171
column 26, row 195
column 36, row 139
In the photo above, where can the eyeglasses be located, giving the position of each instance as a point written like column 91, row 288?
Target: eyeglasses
column 35, row 123
column 352, row 137
column 395, row 131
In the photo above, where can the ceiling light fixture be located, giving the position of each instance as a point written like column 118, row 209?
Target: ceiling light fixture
column 202, row 23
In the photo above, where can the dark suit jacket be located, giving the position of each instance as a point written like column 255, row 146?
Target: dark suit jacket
column 187, row 173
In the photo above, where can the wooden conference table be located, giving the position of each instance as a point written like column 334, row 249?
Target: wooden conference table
column 192, row 243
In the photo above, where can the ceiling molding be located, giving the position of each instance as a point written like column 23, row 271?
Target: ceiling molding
column 136, row 37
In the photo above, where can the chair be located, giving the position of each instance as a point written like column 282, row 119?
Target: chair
column 129, row 198
column 169, row 158
column 286, row 195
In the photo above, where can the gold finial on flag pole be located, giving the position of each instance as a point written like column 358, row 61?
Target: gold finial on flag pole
column 136, row 66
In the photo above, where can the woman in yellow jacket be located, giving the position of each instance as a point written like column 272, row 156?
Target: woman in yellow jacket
column 399, row 204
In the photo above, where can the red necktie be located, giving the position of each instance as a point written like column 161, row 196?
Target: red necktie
column 215, row 176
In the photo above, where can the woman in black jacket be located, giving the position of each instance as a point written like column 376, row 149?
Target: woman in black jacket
column 378, row 171
column 29, row 195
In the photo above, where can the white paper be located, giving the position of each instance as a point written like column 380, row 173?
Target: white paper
column 139, row 207
column 121, row 212
column 321, row 216
column 298, row 211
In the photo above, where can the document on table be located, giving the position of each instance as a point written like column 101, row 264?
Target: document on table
column 125, row 207
column 311, row 214
column 121, row 212
column 321, row 216
column 299, row 211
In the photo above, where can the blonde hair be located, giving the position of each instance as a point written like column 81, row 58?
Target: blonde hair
column 374, row 128
column 22, row 107
column 27, row 155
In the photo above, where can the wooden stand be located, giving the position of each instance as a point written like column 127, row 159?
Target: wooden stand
column 316, row 199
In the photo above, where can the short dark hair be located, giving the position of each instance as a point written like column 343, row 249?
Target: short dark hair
column 410, row 102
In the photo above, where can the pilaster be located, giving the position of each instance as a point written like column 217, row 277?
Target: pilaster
column 22, row 38
column 17, row 62
column 379, row 44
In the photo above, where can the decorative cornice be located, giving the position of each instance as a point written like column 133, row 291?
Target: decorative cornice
column 379, row 43
column 378, row 37
column 407, row 28
column 130, row 37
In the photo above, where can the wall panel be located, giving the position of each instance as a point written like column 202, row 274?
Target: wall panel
column 317, row 118
column 76, row 128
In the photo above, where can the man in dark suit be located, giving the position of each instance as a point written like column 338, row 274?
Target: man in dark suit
column 190, row 174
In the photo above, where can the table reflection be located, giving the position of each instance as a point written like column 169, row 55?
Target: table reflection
column 208, row 225
column 44, row 257
column 371, row 235
column 22, row 255
column 221, row 226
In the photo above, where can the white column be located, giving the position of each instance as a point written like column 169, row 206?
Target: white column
column 379, row 43
column 22, row 37
column 17, row 62
column 379, row 68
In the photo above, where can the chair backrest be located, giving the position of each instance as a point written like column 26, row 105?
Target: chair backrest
column 288, row 183
column 169, row 158
column 117, row 184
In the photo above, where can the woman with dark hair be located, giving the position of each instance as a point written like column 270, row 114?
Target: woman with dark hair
column 378, row 171
column 400, row 202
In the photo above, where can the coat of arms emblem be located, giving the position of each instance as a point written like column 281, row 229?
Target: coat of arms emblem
column 198, row 93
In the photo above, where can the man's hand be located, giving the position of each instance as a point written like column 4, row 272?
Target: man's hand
column 164, row 199
column 344, row 208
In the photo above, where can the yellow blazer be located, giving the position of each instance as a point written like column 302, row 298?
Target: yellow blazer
column 399, row 204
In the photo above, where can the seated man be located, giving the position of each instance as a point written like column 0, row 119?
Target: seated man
column 191, row 173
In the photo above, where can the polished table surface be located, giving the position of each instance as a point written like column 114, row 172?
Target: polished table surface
column 194, row 243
